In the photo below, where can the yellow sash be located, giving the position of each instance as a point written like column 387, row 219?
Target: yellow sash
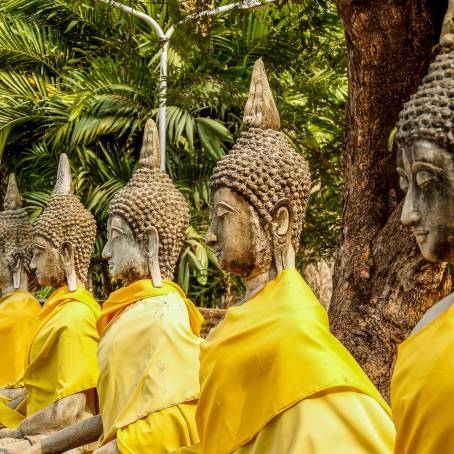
column 18, row 311
column 268, row 354
column 422, row 388
column 149, row 358
column 61, row 359
column 62, row 352
column 119, row 300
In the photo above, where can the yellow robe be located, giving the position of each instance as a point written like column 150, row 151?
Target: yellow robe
column 149, row 363
column 18, row 311
column 272, row 353
column 61, row 360
column 422, row 388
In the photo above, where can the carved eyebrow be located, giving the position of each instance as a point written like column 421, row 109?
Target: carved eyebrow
column 417, row 166
column 39, row 246
column 118, row 229
column 226, row 206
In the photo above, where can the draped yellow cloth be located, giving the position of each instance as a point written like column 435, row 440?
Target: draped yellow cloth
column 149, row 362
column 163, row 431
column 18, row 310
column 61, row 360
column 139, row 290
column 338, row 422
column 422, row 388
column 266, row 356
column 345, row 422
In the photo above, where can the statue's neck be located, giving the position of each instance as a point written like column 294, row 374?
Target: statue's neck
column 131, row 279
column 57, row 285
column 256, row 281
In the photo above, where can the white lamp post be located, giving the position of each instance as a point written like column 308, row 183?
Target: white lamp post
column 165, row 38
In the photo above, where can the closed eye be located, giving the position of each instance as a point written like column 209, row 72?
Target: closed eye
column 425, row 178
column 223, row 209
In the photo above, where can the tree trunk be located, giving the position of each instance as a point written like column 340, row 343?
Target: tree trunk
column 382, row 285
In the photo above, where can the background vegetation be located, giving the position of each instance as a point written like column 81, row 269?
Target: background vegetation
column 81, row 77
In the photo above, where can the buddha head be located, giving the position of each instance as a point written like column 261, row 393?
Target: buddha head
column 259, row 192
column 425, row 161
column 15, row 241
column 147, row 220
column 63, row 236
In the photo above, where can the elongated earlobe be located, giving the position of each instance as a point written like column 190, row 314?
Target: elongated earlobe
column 17, row 271
column 151, row 246
column 281, row 231
column 67, row 253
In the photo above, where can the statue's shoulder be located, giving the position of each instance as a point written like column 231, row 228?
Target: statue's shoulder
column 435, row 311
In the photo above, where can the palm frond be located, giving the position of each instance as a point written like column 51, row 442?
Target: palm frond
column 29, row 46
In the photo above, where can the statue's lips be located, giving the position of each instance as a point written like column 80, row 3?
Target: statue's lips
column 420, row 234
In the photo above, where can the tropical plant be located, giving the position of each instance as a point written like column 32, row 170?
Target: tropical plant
column 81, row 77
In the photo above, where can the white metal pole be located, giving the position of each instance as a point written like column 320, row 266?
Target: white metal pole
column 165, row 38
column 163, row 103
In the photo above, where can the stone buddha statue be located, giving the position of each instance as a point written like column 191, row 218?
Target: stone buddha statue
column 422, row 382
column 273, row 378
column 18, row 308
column 61, row 367
column 148, row 354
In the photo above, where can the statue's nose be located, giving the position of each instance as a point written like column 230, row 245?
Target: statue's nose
column 210, row 238
column 410, row 215
column 106, row 254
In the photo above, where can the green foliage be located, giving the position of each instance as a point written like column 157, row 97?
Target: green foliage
column 82, row 77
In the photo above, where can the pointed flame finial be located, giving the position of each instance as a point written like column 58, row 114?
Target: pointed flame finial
column 13, row 200
column 150, row 155
column 261, row 111
column 64, row 184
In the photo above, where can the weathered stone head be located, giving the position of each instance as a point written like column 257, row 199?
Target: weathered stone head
column 147, row 221
column 15, row 241
column 63, row 236
column 259, row 192
column 425, row 160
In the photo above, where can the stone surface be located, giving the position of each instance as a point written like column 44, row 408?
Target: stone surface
column 259, row 193
column 212, row 318
column 151, row 201
column 15, row 241
column 425, row 161
column 65, row 231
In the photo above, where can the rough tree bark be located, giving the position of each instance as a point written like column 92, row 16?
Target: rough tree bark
column 382, row 286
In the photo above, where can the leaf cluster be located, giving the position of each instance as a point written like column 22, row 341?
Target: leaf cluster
column 82, row 77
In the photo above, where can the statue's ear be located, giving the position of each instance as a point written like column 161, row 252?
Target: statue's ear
column 282, row 218
column 151, row 246
column 17, row 262
column 68, row 263
column 281, row 231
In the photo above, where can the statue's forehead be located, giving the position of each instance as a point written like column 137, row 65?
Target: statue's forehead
column 41, row 242
column 117, row 222
column 227, row 196
column 224, row 193
column 425, row 151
